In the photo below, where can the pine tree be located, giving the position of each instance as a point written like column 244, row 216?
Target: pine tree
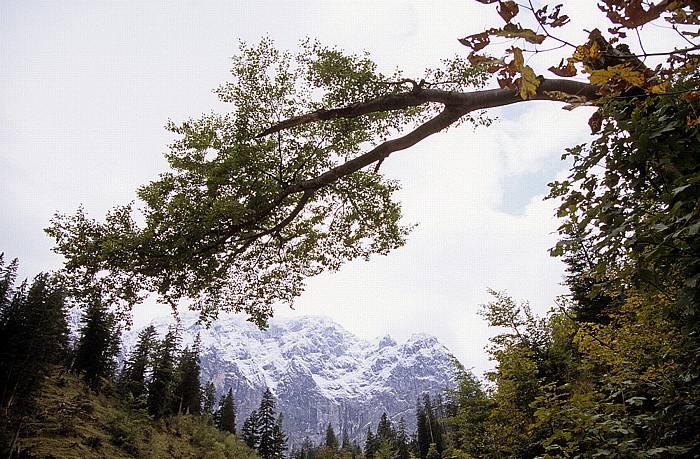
column 385, row 431
column 345, row 444
column 98, row 345
column 188, row 391
column 422, row 431
column 371, row 444
column 249, row 431
column 133, row 376
column 266, row 421
column 160, row 388
column 33, row 335
column 403, row 450
column 208, row 399
column 279, row 438
column 226, row 416
column 331, row 439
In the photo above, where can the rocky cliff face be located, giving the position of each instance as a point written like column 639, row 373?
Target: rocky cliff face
column 318, row 372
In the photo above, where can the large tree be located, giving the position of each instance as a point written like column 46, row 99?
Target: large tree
column 288, row 183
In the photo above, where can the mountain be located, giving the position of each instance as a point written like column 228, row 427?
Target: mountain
column 319, row 372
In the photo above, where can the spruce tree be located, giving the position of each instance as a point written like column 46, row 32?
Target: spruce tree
column 188, row 391
column 371, row 444
column 209, row 399
column 133, row 377
column 331, row 439
column 33, row 335
column 385, row 431
column 226, row 416
column 402, row 441
column 266, row 420
column 160, row 388
column 98, row 345
column 279, row 438
column 249, row 431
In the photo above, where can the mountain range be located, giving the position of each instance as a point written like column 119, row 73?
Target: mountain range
column 318, row 372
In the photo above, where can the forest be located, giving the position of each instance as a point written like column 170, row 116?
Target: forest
column 289, row 184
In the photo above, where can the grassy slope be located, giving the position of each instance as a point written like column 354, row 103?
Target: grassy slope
column 74, row 422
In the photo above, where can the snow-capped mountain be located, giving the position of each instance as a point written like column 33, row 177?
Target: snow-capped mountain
column 319, row 372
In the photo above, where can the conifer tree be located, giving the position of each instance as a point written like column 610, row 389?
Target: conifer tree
column 188, row 391
column 160, row 388
column 385, row 431
column 402, row 441
column 345, row 444
column 33, row 334
column 331, row 439
column 226, row 415
column 208, row 400
column 267, row 421
column 279, row 438
column 371, row 444
column 133, row 377
column 98, row 345
column 249, row 431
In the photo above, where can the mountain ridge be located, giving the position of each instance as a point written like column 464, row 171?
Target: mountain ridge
column 319, row 372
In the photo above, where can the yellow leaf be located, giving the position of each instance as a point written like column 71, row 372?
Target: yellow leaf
column 661, row 88
column 616, row 73
column 528, row 83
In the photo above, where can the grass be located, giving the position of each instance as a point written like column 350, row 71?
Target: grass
column 73, row 421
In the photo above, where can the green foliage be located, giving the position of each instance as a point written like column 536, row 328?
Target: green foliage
column 639, row 213
column 33, row 335
column 226, row 416
column 75, row 422
column 133, row 375
column 241, row 220
column 98, row 345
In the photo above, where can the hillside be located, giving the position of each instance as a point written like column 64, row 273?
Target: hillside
column 74, row 422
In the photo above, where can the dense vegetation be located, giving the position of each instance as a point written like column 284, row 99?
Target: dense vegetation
column 250, row 209
column 66, row 399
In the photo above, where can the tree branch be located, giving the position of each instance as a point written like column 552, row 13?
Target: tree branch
column 469, row 101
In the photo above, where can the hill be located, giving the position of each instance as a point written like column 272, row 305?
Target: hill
column 72, row 421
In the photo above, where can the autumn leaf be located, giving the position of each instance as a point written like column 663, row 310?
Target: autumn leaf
column 595, row 122
column 620, row 72
column 567, row 70
column 528, row 81
column 507, row 10
column 516, row 31
column 660, row 88
column 477, row 41
column 692, row 121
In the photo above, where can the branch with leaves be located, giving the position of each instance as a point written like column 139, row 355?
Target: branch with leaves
column 287, row 184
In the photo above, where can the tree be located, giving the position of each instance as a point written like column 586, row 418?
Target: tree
column 97, row 346
column 249, row 432
column 267, row 427
column 252, row 206
column 372, row 444
column 331, row 439
column 160, row 388
column 33, row 335
column 226, row 416
column 139, row 362
column 188, row 391
column 209, row 400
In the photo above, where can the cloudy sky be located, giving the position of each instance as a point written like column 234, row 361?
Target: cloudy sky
column 86, row 88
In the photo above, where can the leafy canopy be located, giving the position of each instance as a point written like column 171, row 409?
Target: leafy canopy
column 287, row 184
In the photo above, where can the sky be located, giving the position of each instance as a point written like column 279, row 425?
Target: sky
column 87, row 87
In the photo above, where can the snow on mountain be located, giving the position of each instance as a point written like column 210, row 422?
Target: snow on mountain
column 319, row 372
